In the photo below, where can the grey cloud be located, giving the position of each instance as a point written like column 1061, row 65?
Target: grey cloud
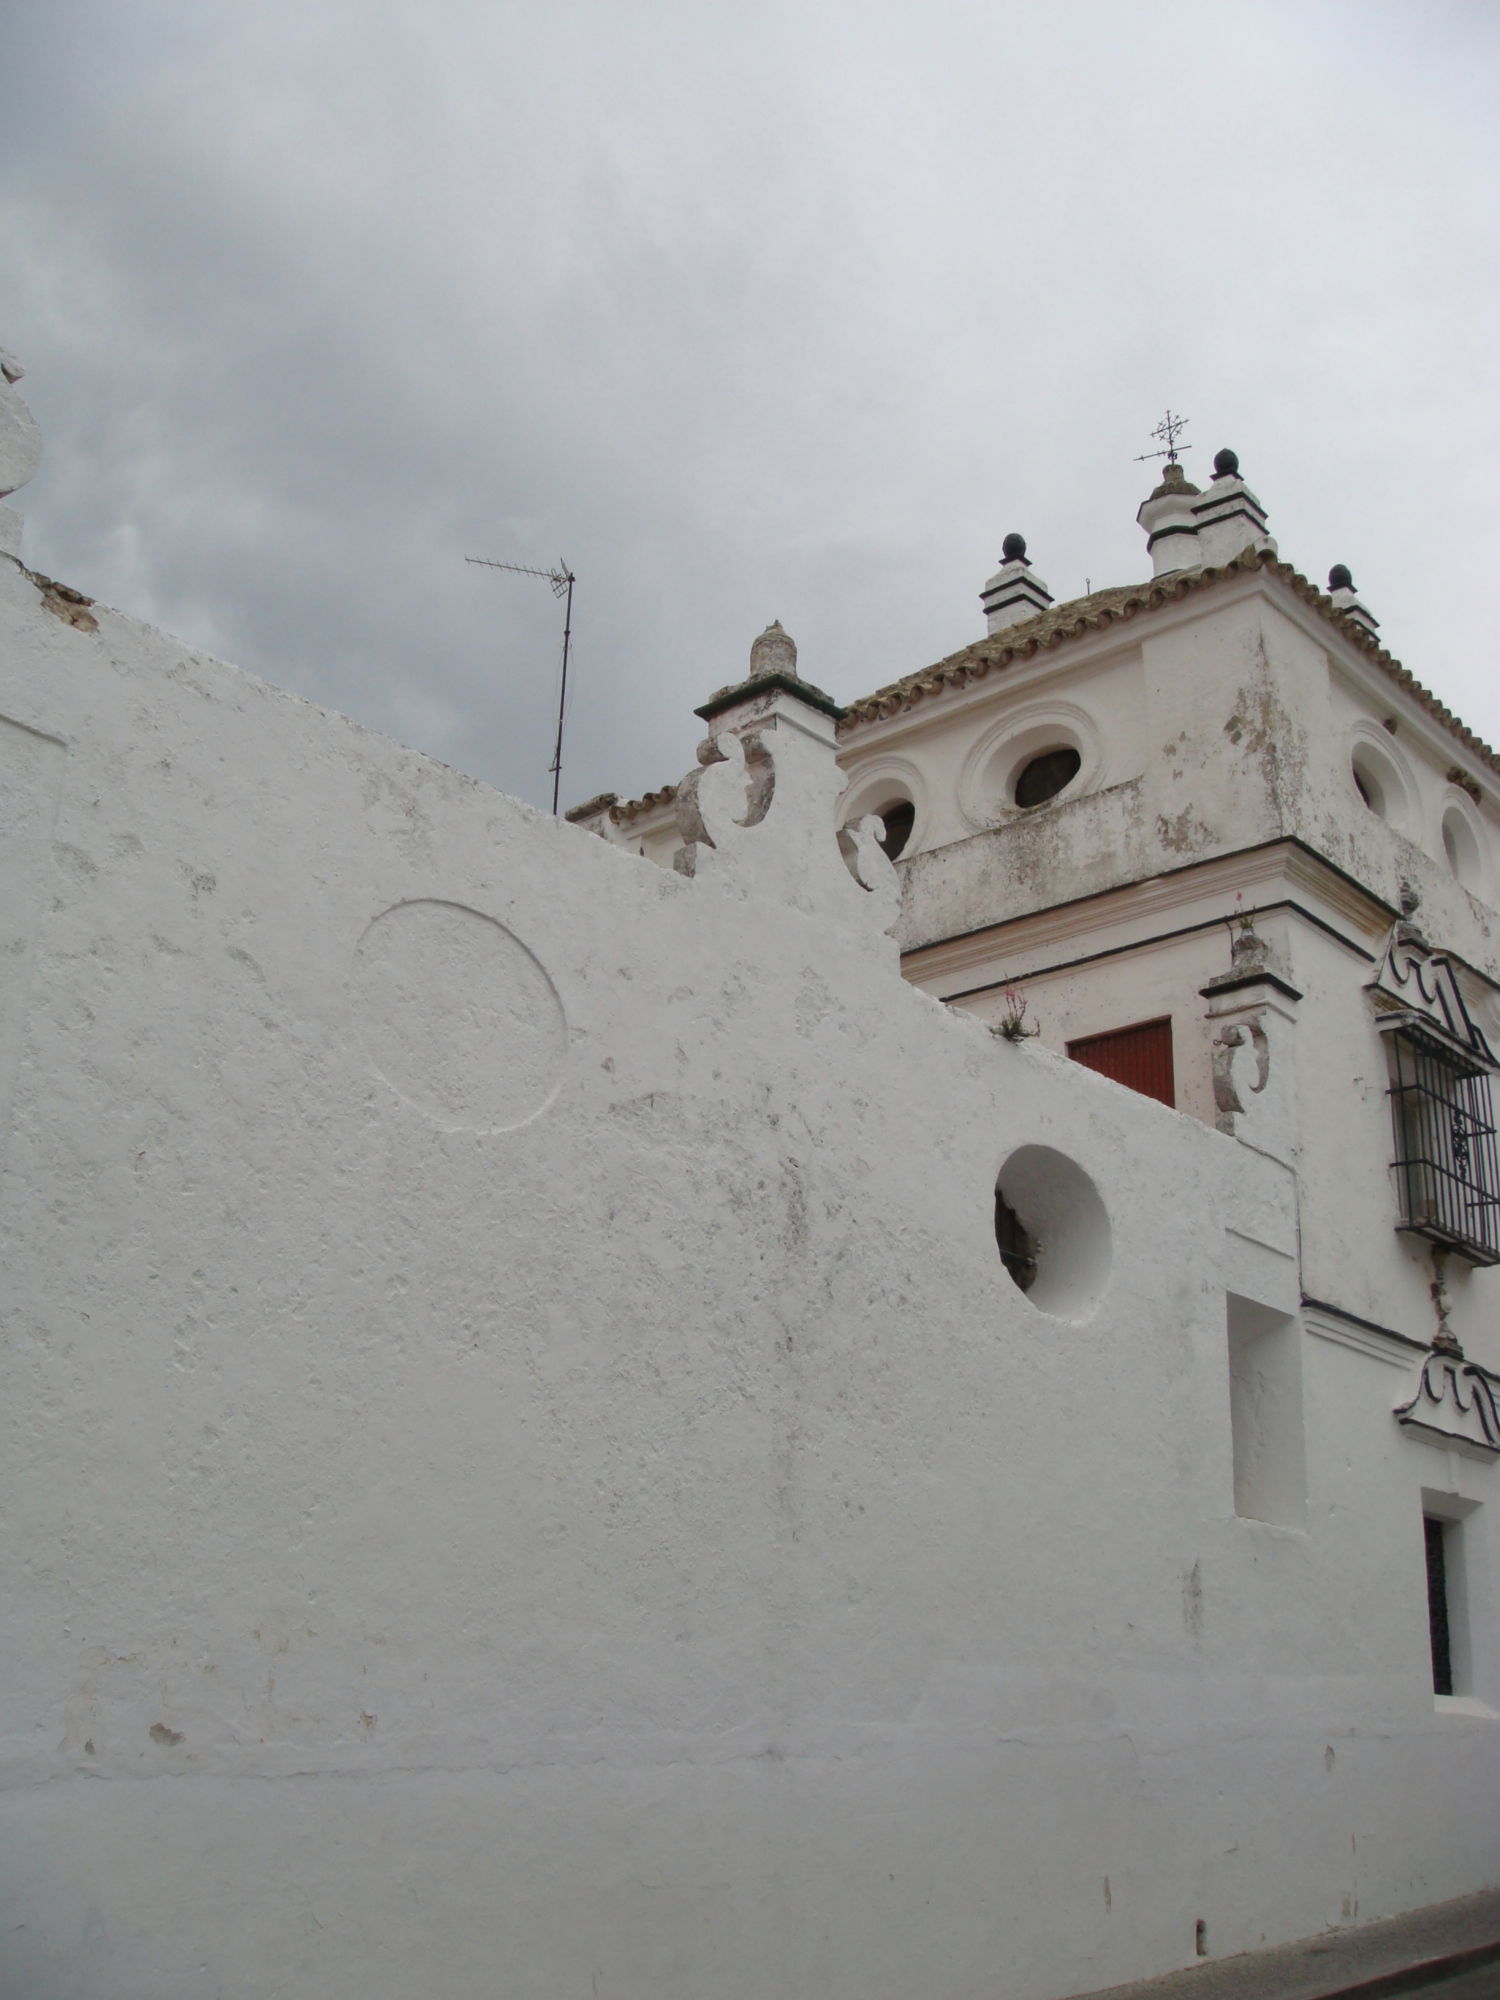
column 791, row 314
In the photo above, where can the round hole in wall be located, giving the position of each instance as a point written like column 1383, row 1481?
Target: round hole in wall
column 1017, row 1251
column 1042, row 777
column 1052, row 1231
column 898, row 819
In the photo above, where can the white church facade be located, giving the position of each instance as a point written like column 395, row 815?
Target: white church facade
column 1219, row 845
column 570, row 1430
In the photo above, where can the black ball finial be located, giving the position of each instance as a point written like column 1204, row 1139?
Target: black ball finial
column 1226, row 464
column 1013, row 548
column 1339, row 578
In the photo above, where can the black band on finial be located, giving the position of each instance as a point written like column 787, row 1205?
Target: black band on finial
column 1013, row 549
column 1339, row 578
column 1226, row 464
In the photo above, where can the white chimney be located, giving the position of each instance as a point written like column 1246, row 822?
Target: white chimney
column 1015, row 592
column 1346, row 599
column 1171, row 525
column 1230, row 519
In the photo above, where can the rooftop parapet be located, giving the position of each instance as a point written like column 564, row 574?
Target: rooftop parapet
column 20, row 449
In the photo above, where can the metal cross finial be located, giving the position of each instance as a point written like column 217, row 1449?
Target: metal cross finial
column 1169, row 430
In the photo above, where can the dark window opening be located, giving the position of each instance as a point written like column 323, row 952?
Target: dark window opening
column 1017, row 1251
column 898, row 821
column 1437, row 1604
column 1447, row 1165
column 1364, row 790
column 1044, row 777
column 1139, row 1057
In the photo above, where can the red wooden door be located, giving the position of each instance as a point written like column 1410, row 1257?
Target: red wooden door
column 1140, row 1057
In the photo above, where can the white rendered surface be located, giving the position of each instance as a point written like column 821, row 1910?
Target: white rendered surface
column 525, row 1472
column 20, row 438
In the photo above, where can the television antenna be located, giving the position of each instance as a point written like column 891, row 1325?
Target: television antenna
column 1169, row 430
column 562, row 580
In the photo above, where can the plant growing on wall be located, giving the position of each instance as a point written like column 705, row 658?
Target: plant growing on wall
column 1012, row 1023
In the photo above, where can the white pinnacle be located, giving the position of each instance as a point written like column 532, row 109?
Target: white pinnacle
column 20, row 439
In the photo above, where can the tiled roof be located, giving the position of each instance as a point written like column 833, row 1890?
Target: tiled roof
column 1094, row 613
column 629, row 808
column 1017, row 642
column 1108, row 607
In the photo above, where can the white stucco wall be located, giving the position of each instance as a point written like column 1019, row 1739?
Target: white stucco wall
column 524, row 1471
column 1229, row 719
column 1094, row 998
column 956, row 758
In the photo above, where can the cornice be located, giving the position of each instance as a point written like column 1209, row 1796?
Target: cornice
column 1105, row 611
column 1136, row 915
column 1345, row 1329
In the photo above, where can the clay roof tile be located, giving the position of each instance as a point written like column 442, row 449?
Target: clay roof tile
column 1101, row 608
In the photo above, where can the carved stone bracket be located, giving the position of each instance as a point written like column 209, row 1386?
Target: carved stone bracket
column 1252, row 1009
column 1417, row 982
column 1454, row 1407
column 1241, row 1069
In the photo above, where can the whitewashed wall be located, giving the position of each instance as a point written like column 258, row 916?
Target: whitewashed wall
column 524, row 1472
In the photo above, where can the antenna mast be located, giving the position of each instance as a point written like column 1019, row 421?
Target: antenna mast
column 562, row 580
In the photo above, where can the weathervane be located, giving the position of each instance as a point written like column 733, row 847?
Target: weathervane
column 1169, row 430
column 562, row 580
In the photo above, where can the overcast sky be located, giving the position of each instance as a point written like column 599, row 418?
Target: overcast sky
column 749, row 312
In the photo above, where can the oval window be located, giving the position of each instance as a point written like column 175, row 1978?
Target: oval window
column 897, row 819
column 1367, row 784
column 1045, row 776
column 1461, row 848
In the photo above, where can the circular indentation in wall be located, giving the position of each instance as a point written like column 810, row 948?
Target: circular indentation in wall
column 1052, row 1230
column 457, row 1016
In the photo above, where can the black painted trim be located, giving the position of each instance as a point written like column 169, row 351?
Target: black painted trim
column 731, row 697
column 1229, row 504
column 1233, row 985
column 1369, row 1325
column 1027, row 594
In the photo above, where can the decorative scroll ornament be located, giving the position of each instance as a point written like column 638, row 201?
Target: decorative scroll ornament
column 1455, row 1407
column 1241, row 1056
column 1419, row 982
column 757, row 817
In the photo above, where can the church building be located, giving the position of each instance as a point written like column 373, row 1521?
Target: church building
column 873, row 1375
column 1205, row 836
